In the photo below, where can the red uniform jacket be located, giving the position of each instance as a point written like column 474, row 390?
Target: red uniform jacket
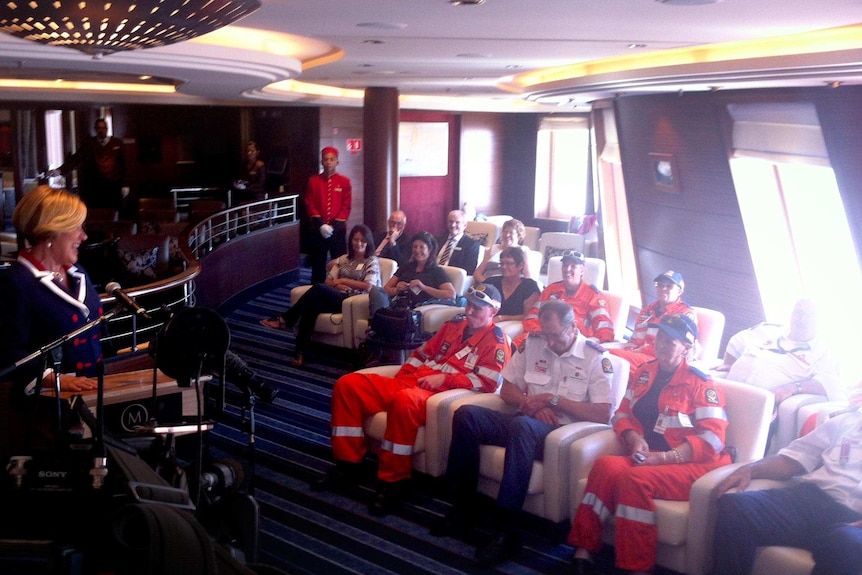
column 591, row 311
column 692, row 404
column 472, row 364
column 643, row 336
column 328, row 198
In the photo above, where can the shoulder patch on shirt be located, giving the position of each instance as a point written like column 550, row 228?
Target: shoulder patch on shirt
column 711, row 396
column 499, row 335
column 602, row 302
column 643, row 377
column 596, row 346
column 501, row 356
column 607, row 367
column 699, row 373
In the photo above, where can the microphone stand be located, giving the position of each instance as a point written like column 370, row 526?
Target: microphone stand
column 54, row 348
column 248, row 425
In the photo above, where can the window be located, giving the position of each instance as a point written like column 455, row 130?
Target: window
column 797, row 229
column 562, row 167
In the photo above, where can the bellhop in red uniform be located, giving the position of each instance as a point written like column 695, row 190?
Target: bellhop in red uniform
column 672, row 423
column 468, row 352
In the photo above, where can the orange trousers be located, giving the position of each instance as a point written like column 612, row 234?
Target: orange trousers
column 616, row 486
column 359, row 395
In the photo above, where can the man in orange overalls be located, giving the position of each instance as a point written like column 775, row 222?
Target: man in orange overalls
column 468, row 352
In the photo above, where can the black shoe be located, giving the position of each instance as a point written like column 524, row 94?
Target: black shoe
column 340, row 476
column 582, row 567
column 503, row 546
column 388, row 498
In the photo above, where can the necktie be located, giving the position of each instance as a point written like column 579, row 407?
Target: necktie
column 382, row 245
column 444, row 257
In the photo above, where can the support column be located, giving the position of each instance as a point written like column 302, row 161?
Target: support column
column 380, row 131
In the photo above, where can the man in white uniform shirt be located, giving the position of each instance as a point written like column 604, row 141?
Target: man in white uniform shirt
column 821, row 511
column 556, row 377
column 785, row 360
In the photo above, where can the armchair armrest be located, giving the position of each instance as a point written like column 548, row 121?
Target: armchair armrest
column 703, row 512
column 557, row 463
column 788, row 423
column 297, row 293
column 354, row 309
column 584, row 452
column 438, row 428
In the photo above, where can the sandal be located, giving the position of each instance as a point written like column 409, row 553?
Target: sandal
column 297, row 361
column 276, row 322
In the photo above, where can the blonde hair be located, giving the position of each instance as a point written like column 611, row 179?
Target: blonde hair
column 45, row 211
column 518, row 226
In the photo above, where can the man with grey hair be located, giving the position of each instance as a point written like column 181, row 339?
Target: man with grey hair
column 557, row 376
column 392, row 243
column 458, row 249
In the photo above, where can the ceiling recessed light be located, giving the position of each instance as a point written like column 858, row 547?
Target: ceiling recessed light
column 374, row 42
column 466, row 2
column 634, row 45
column 513, row 66
column 468, row 55
column 687, row 2
column 382, row 25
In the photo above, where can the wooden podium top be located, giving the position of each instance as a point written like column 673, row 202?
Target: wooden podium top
column 126, row 386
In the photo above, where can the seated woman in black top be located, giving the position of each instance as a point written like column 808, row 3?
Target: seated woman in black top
column 519, row 293
column 419, row 281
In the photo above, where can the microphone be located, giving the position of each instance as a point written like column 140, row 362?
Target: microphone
column 129, row 303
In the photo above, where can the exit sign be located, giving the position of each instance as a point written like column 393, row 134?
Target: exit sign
column 354, row 145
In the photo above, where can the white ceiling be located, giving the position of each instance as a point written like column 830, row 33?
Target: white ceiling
column 432, row 48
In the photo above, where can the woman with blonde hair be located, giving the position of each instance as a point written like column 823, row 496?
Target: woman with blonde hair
column 511, row 235
column 46, row 296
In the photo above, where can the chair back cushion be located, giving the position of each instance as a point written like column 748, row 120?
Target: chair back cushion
column 555, row 243
column 749, row 413
column 483, row 232
column 458, row 278
column 387, row 269
column 594, row 271
column 710, row 327
column 618, row 311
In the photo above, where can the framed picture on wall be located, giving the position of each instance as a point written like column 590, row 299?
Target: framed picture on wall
column 423, row 149
column 665, row 173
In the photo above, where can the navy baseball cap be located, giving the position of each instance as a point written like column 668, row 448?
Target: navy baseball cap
column 484, row 294
column 673, row 276
column 678, row 326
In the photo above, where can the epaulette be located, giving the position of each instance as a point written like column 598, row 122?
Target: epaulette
column 498, row 334
column 699, row 373
column 595, row 289
column 596, row 346
column 458, row 318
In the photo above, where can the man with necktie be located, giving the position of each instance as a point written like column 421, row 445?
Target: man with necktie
column 458, row 249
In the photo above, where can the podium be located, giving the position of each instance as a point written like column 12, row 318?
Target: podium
column 128, row 398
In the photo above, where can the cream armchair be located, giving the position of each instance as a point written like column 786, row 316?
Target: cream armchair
column 548, row 493
column 710, row 327
column 684, row 526
column 347, row 327
column 434, row 315
column 431, row 450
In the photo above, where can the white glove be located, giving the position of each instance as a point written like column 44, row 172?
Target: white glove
column 326, row 231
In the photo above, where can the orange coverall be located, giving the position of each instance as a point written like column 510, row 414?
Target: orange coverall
column 473, row 363
column 693, row 410
column 591, row 311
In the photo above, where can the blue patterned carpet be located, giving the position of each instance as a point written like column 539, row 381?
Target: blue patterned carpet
column 303, row 531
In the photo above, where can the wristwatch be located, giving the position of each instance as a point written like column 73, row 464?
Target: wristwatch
column 555, row 400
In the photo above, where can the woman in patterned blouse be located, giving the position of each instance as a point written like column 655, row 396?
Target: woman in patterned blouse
column 351, row 274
